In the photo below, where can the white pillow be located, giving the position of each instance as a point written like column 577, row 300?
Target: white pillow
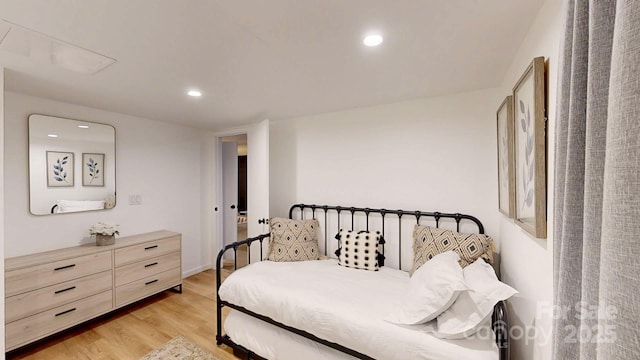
column 432, row 290
column 473, row 309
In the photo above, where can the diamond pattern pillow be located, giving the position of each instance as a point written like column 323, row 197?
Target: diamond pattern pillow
column 359, row 250
column 293, row 240
column 429, row 242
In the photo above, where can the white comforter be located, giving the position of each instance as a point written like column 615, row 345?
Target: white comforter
column 345, row 306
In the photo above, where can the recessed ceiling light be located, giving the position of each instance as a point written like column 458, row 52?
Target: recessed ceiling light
column 194, row 93
column 52, row 135
column 373, row 40
column 83, row 126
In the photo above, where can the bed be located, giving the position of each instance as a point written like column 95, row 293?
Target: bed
column 281, row 310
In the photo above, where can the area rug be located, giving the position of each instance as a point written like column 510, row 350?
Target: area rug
column 180, row 348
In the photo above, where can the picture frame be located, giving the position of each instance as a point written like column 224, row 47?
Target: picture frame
column 93, row 169
column 506, row 184
column 60, row 169
column 530, row 161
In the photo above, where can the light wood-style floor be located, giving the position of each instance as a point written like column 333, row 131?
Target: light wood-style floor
column 134, row 331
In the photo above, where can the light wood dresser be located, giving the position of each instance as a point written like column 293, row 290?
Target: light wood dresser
column 51, row 291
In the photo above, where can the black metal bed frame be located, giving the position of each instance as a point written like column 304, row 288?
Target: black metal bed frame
column 499, row 319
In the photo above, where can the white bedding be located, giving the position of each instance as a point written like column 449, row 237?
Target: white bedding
column 65, row 206
column 345, row 306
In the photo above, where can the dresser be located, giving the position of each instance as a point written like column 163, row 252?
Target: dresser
column 51, row 291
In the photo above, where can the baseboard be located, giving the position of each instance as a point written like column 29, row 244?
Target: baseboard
column 196, row 270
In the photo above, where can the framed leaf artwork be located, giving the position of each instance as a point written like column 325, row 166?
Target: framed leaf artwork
column 92, row 169
column 59, row 169
column 506, row 185
column 530, row 150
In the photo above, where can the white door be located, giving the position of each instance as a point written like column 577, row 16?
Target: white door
column 258, row 184
column 230, row 193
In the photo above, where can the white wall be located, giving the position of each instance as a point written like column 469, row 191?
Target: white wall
column 435, row 154
column 527, row 263
column 2, row 228
column 164, row 163
column 282, row 167
column 207, row 203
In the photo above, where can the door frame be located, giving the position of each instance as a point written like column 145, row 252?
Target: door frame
column 219, row 190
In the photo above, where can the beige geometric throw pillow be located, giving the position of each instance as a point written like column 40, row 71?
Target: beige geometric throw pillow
column 293, row 240
column 430, row 241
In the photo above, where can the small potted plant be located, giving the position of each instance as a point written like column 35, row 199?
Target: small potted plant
column 105, row 234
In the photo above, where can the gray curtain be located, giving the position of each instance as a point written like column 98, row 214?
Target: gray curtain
column 597, row 188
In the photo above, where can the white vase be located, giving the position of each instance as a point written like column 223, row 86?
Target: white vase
column 102, row 240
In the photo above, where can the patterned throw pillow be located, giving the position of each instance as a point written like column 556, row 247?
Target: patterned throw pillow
column 358, row 250
column 429, row 242
column 293, row 240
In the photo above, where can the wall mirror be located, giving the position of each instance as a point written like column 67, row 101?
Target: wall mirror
column 72, row 165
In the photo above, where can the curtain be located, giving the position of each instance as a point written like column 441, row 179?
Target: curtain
column 597, row 186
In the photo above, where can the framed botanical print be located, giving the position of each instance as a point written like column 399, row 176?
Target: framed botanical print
column 506, row 185
column 60, row 169
column 92, row 169
column 530, row 150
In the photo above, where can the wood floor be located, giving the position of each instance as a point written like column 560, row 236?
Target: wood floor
column 134, row 331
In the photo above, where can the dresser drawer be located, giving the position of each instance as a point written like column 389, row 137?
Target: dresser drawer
column 36, row 277
column 149, row 285
column 45, row 323
column 141, row 269
column 33, row 302
column 147, row 250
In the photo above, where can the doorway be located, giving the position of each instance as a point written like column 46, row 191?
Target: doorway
column 257, row 140
column 234, row 185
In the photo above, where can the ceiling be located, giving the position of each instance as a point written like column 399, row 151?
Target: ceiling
column 271, row 59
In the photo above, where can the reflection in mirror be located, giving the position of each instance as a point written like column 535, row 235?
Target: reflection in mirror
column 71, row 165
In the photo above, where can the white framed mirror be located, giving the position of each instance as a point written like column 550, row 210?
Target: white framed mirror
column 72, row 165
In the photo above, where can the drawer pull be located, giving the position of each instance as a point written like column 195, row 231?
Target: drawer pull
column 151, row 247
column 66, row 312
column 63, row 290
column 64, row 267
column 151, row 282
column 152, row 264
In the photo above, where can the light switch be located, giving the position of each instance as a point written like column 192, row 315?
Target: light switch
column 135, row 199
